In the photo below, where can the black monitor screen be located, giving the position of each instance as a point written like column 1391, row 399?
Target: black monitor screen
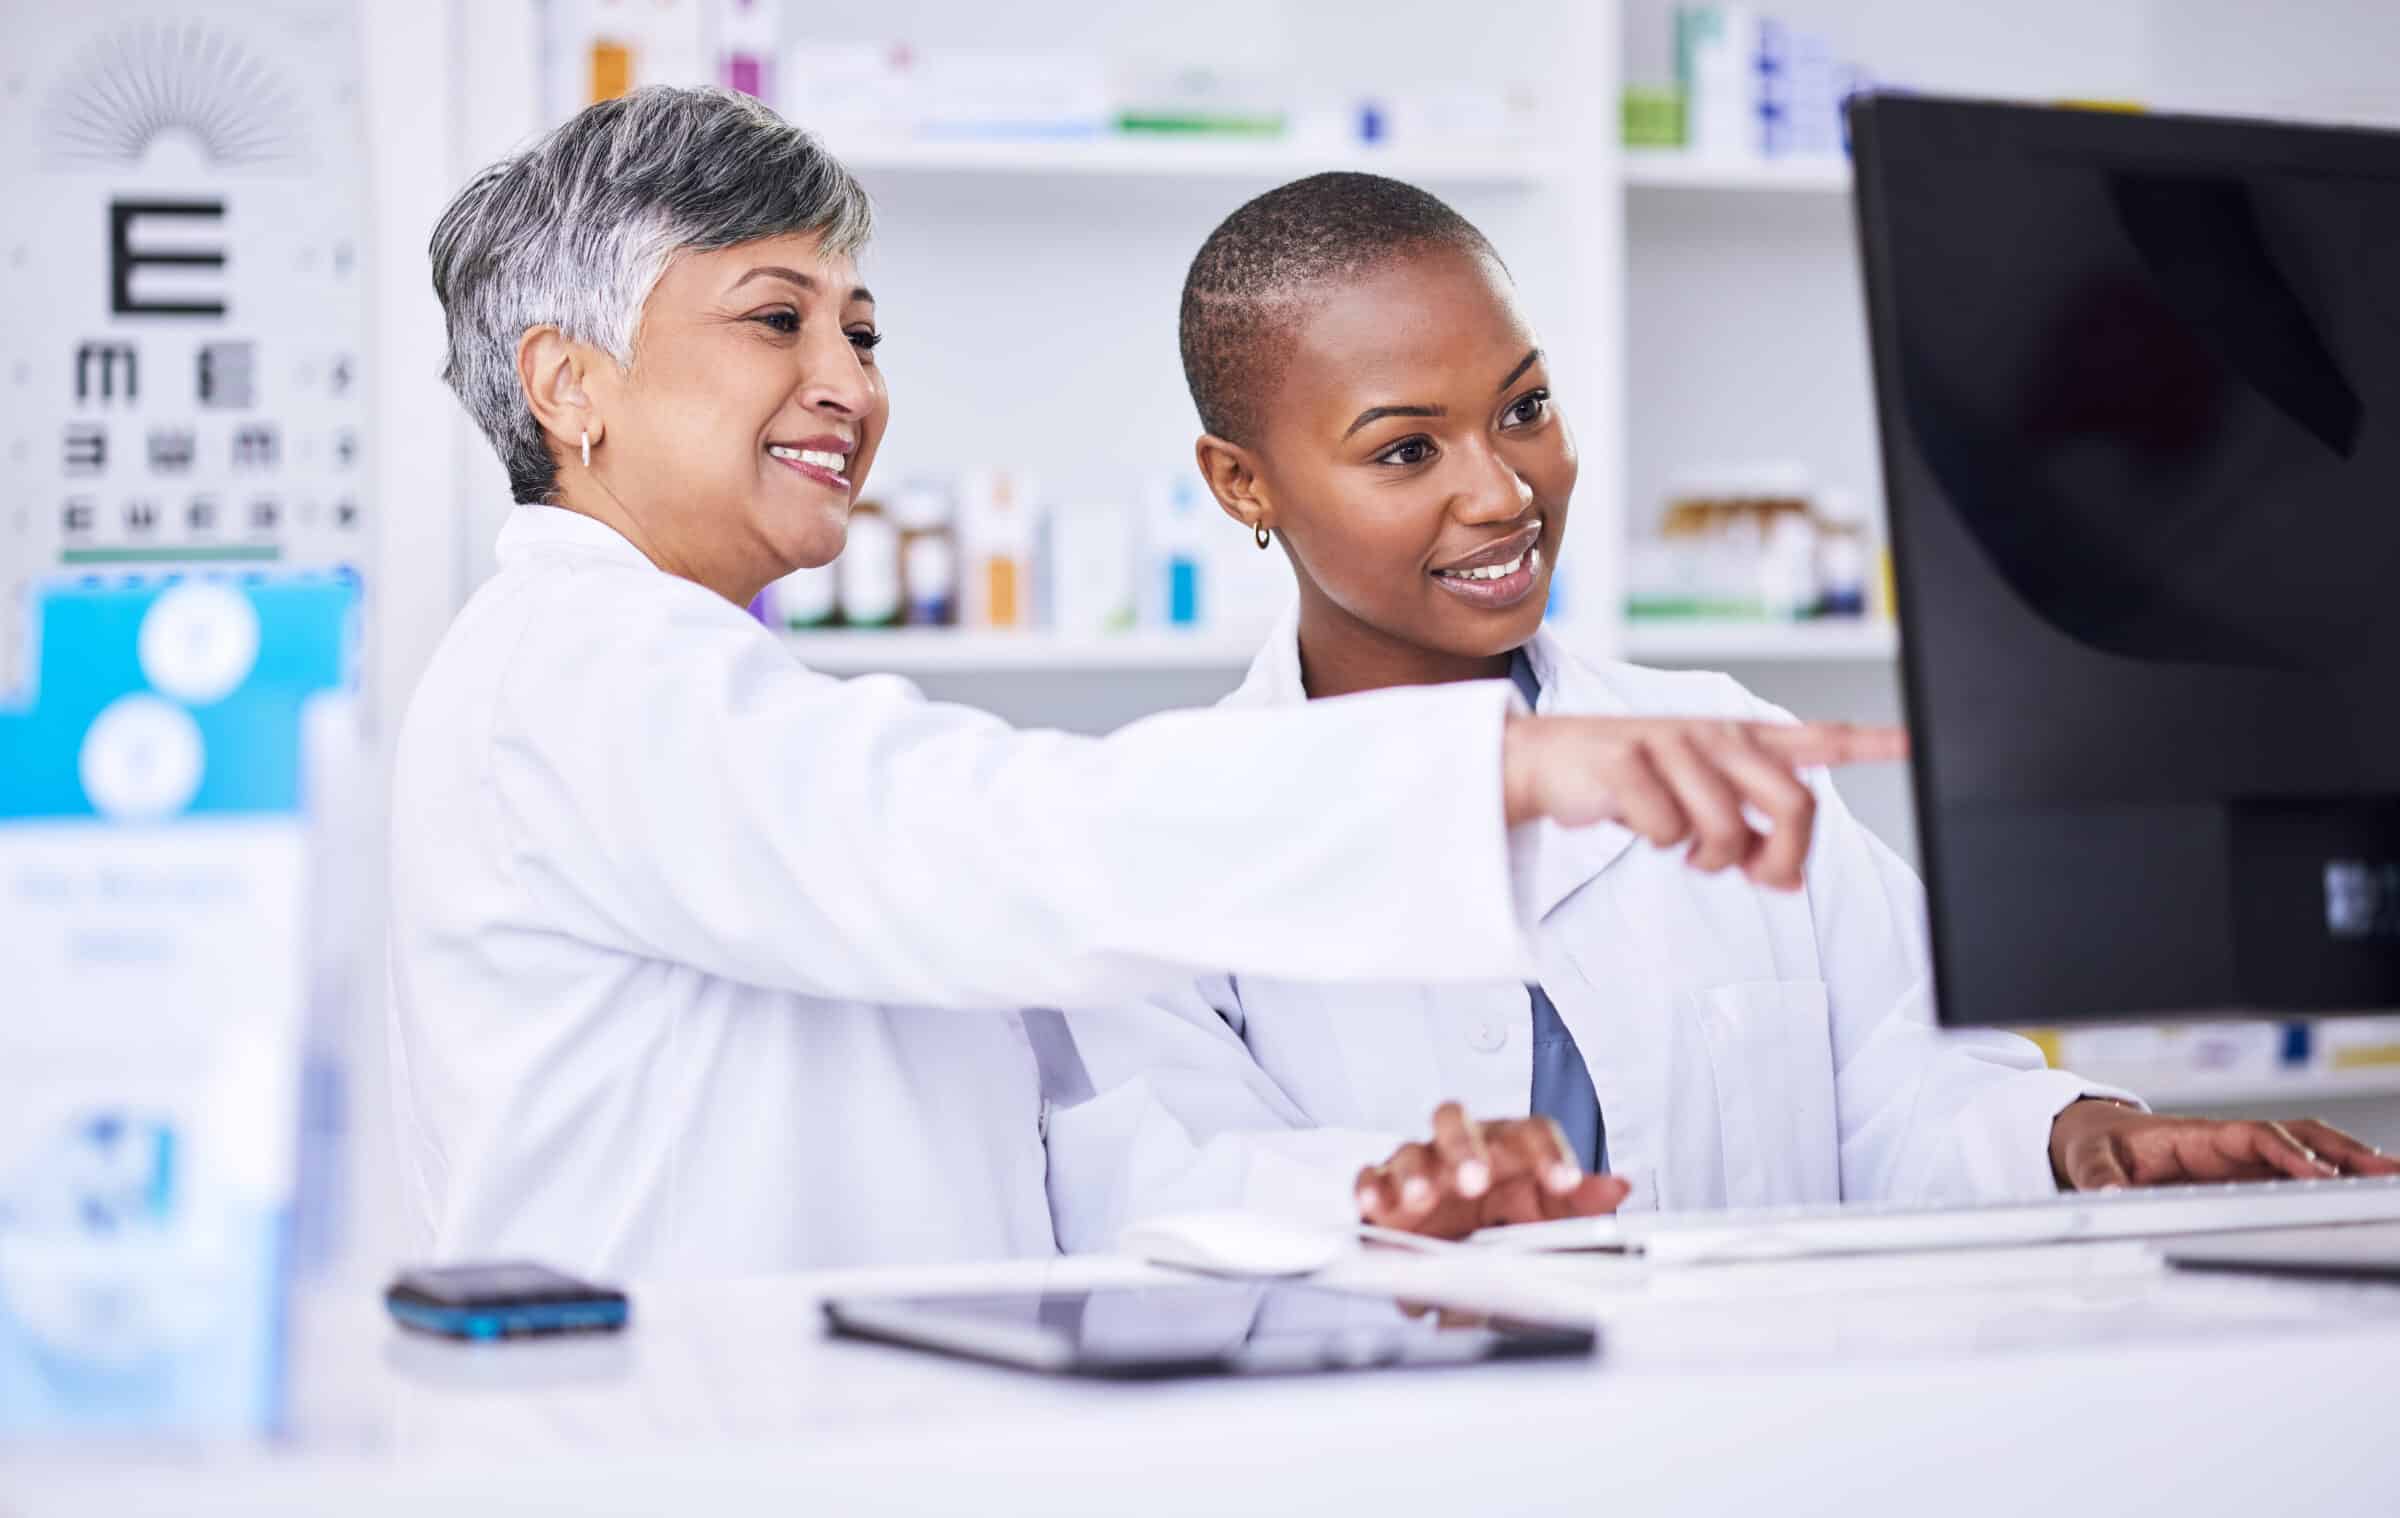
column 2139, row 385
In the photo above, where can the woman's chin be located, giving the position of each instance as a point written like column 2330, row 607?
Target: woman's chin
column 1488, row 634
column 814, row 542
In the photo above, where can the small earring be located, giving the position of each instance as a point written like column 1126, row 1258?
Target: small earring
column 1264, row 537
column 587, row 450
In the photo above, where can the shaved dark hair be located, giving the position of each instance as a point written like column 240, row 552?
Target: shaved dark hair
column 1253, row 278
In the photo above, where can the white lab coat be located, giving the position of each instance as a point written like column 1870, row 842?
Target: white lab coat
column 1749, row 1047
column 672, row 917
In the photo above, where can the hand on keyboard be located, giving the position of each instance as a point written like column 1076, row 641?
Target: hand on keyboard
column 1479, row 1175
column 2098, row 1145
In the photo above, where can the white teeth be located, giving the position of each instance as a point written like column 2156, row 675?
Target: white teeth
column 831, row 462
column 1491, row 571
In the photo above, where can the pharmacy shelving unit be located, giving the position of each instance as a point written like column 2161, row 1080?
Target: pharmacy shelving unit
column 1745, row 344
column 1694, row 643
column 1561, row 203
column 1047, row 271
column 1667, row 169
column 917, row 650
column 1168, row 159
column 1702, row 642
column 1051, row 255
column 946, row 650
column 1727, row 183
column 1165, row 157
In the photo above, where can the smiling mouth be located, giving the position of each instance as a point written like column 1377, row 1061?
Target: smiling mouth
column 1500, row 571
column 823, row 465
column 1497, row 577
column 1497, row 559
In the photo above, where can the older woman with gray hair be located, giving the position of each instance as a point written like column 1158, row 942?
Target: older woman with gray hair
column 705, row 963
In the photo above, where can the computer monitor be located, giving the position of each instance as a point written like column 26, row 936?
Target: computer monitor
column 2138, row 381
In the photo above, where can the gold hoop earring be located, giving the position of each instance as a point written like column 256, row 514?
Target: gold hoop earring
column 1265, row 538
column 587, row 450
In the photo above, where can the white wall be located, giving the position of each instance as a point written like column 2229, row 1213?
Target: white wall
column 409, row 103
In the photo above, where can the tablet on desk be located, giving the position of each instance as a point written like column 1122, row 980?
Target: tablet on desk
column 1206, row 1328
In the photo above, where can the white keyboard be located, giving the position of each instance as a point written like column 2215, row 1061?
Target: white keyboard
column 1774, row 1233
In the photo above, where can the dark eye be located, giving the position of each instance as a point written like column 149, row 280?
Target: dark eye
column 786, row 322
column 1531, row 407
column 1413, row 450
column 866, row 339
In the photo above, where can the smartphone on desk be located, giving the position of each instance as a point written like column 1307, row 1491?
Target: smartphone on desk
column 505, row 1300
column 1202, row 1328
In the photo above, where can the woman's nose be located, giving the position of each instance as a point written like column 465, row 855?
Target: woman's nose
column 1497, row 493
column 835, row 379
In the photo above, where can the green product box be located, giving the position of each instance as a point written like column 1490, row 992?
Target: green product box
column 1653, row 116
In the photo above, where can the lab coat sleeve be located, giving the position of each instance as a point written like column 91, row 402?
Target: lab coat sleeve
column 680, row 788
column 1927, row 1115
column 1181, row 1118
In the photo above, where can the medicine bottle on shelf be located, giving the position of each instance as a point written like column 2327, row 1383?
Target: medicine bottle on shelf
column 924, row 513
column 1788, row 583
column 1172, row 594
column 1844, row 556
column 805, row 598
column 996, row 530
column 1087, row 564
column 869, row 569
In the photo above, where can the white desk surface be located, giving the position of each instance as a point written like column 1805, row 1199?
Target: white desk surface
column 1908, row 1387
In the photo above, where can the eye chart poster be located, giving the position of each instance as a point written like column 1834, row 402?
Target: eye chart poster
column 180, row 360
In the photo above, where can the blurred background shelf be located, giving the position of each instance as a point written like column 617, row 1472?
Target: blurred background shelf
column 1181, row 158
column 945, row 650
column 907, row 650
column 1674, row 169
column 956, row 650
column 2291, row 1091
column 1670, row 641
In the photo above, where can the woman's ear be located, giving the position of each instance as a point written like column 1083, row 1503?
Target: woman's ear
column 1232, row 475
column 552, row 371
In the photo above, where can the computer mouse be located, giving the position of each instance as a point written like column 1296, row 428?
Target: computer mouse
column 1233, row 1243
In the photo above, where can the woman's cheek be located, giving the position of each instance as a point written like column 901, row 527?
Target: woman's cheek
column 1372, row 569
column 870, row 430
column 862, row 462
column 1569, row 464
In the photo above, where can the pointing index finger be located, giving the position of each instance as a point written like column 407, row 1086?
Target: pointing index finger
column 1805, row 745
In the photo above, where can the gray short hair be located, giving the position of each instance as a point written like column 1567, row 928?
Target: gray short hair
column 576, row 230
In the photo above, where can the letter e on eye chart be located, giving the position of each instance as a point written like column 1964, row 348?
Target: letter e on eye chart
column 180, row 266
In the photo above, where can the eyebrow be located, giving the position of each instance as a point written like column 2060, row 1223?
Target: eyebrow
column 1532, row 357
column 1378, row 413
column 804, row 281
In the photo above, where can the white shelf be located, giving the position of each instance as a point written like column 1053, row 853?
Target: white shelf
column 2168, row 1090
column 1672, row 641
column 1179, row 157
column 1673, row 169
column 915, row 650
column 937, row 650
